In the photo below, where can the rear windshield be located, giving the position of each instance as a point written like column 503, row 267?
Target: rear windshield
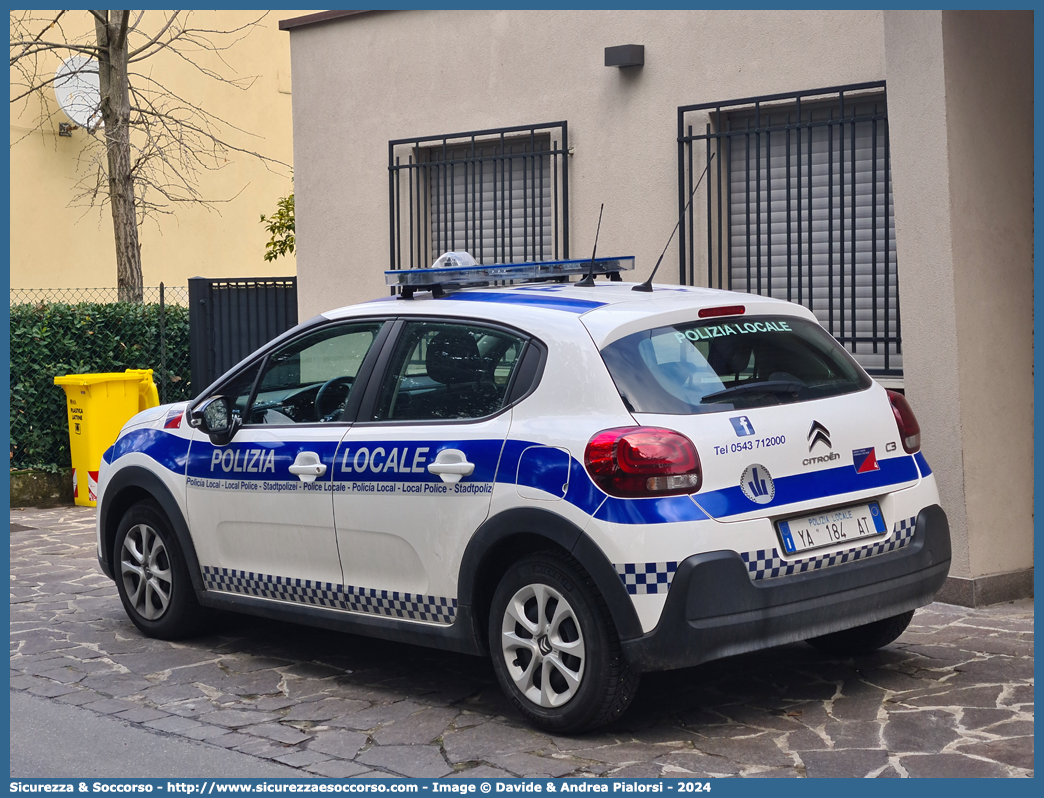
column 711, row 366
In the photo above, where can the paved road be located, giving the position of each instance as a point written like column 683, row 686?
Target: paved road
column 54, row 740
column 952, row 697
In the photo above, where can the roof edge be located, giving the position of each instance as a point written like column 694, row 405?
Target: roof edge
column 321, row 16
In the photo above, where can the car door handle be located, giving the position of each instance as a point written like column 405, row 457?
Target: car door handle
column 451, row 465
column 307, row 466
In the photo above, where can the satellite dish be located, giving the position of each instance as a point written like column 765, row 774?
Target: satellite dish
column 78, row 91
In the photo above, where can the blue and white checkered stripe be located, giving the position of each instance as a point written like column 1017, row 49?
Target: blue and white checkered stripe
column 437, row 609
column 433, row 609
column 642, row 578
column 282, row 588
column 767, row 564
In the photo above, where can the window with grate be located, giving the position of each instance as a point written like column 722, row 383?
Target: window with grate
column 501, row 194
column 799, row 207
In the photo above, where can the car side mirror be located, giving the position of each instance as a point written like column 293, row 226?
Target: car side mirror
column 215, row 418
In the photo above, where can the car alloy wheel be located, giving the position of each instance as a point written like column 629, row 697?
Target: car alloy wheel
column 554, row 646
column 153, row 581
column 543, row 645
column 146, row 572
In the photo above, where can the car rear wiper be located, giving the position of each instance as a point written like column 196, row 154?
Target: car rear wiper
column 748, row 388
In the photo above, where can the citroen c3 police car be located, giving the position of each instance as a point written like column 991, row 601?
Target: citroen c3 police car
column 584, row 482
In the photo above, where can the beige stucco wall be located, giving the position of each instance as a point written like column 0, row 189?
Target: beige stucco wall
column 57, row 246
column 362, row 81
column 962, row 82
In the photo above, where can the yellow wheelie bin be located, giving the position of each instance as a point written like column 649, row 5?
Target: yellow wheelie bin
column 99, row 405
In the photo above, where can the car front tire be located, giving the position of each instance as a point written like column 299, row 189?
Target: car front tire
column 555, row 649
column 863, row 639
column 151, row 576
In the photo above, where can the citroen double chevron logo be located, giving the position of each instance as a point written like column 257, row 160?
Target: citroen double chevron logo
column 817, row 433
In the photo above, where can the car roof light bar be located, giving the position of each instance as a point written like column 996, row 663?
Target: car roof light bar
column 437, row 278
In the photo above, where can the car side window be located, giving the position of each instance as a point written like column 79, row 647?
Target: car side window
column 448, row 371
column 309, row 379
column 238, row 389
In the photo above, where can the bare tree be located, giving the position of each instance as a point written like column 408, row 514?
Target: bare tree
column 149, row 143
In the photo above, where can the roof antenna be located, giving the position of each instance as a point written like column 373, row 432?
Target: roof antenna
column 588, row 281
column 647, row 285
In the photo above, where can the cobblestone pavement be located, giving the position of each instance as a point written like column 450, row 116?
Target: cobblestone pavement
column 952, row 697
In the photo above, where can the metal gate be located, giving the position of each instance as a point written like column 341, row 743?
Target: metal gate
column 798, row 206
column 230, row 318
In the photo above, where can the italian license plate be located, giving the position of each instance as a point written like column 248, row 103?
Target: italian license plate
column 840, row 525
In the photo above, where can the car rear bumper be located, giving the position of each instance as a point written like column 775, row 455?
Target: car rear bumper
column 715, row 610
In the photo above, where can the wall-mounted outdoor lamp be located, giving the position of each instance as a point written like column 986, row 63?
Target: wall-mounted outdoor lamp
column 625, row 55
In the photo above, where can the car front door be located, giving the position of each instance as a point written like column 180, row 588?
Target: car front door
column 260, row 507
column 414, row 477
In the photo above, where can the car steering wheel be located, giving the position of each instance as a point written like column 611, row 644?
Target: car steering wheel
column 329, row 395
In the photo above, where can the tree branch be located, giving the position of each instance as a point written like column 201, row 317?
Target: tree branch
column 134, row 27
column 207, row 134
column 174, row 140
column 155, row 38
column 121, row 37
column 40, row 47
column 36, row 38
column 34, row 88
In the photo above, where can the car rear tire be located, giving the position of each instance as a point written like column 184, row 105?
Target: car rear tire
column 151, row 576
column 863, row 639
column 554, row 646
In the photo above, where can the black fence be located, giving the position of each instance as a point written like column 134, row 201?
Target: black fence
column 230, row 318
column 798, row 205
column 501, row 194
column 151, row 295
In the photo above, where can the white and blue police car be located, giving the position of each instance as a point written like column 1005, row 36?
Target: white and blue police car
column 581, row 480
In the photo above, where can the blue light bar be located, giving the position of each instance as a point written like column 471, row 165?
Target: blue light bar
column 461, row 276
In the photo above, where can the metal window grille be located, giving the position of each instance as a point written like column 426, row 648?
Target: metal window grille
column 799, row 206
column 501, row 194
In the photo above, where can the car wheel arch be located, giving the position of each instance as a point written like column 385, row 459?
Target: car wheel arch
column 513, row 534
column 132, row 485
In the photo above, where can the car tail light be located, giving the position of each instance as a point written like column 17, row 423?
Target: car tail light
column 909, row 429
column 643, row 461
column 727, row 310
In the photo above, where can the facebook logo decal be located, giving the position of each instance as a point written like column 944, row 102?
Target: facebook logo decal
column 742, row 426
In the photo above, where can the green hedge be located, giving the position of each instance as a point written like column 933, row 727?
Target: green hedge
column 48, row 340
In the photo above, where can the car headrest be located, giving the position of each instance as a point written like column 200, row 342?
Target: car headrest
column 729, row 356
column 453, row 357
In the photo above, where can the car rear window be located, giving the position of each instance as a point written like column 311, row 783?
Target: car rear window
column 717, row 365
